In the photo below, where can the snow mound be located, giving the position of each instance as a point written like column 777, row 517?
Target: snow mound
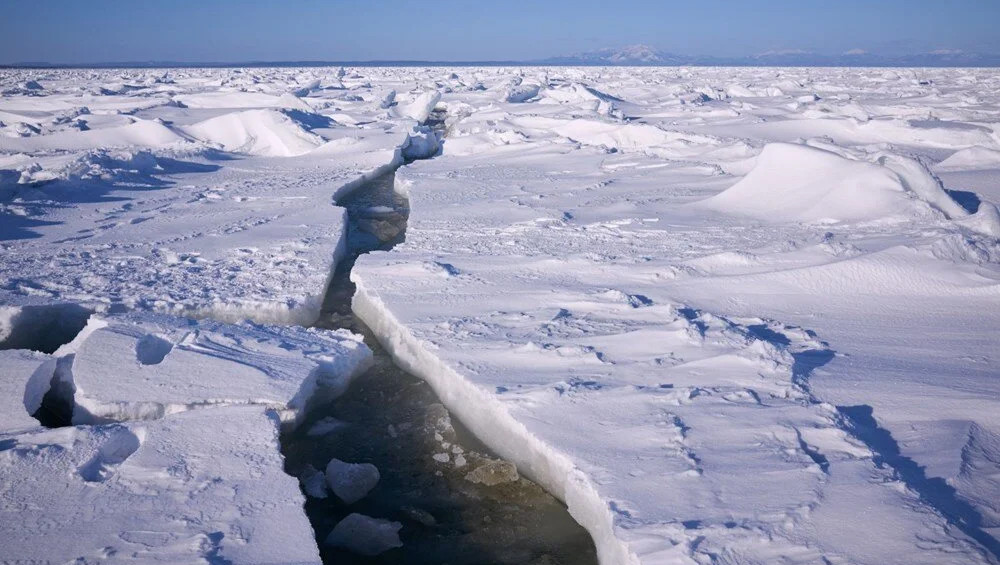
column 290, row 101
column 146, row 366
column 256, row 132
column 918, row 179
column 98, row 164
column 971, row 158
column 985, row 221
column 140, row 133
column 797, row 183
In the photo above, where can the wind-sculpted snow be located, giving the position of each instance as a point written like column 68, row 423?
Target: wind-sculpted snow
column 256, row 132
column 727, row 315
column 797, row 183
column 707, row 307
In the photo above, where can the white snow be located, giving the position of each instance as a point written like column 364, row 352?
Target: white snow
column 727, row 315
column 141, row 367
column 256, row 132
column 797, row 183
column 25, row 377
column 190, row 198
column 712, row 328
column 200, row 477
column 195, row 487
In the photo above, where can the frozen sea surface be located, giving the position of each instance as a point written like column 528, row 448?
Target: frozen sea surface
column 725, row 315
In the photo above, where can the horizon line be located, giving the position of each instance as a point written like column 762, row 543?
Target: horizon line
column 832, row 61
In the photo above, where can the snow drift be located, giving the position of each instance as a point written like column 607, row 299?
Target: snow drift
column 798, row 183
column 256, row 132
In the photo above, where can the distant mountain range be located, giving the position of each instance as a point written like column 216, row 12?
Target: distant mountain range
column 644, row 55
column 632, row 55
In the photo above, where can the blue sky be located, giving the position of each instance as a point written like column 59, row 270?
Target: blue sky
column 86, row 31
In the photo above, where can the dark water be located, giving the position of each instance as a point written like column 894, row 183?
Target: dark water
column 394, row 420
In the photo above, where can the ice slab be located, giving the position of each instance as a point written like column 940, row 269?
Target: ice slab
column 25, row 377
column 365, row 535
column 351, row 481
column 145, row 366
column 203, row 486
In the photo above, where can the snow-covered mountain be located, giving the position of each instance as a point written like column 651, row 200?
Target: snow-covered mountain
column 629, row 55
column 645, row 55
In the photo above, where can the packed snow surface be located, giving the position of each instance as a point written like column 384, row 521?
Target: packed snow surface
column 185, row 196
column 741, row 325
column 199, row 487
column 727, row 315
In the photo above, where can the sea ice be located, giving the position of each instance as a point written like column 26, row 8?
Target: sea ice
column 202, row 485
column 145, row 366
column 365, row 536
column 696, row 325
column 351, row 481
column 25, row 377
column 715, row 311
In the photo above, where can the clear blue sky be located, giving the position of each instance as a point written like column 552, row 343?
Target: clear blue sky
column 82, row 31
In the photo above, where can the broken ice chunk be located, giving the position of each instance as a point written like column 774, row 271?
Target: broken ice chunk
column 325, row 426
column 313, row 482
column 493, row 473
column 351, row 481
column 163, row 365
column 418, row 515
column 24, row 380
column 365, row 535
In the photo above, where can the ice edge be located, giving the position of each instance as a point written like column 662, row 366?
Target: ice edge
column 490, row 421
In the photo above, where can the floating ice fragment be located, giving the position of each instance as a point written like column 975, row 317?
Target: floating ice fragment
column 365, row 535
column 325, row 426
column 313, row 482
column 351, row 481
column 493, row 473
